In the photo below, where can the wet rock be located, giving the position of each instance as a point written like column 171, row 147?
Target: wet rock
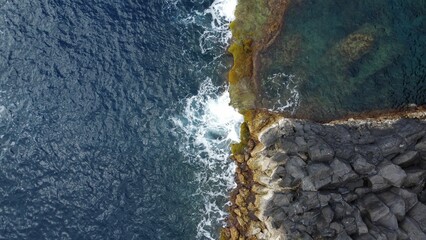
column 413, row 230
column 361, row 166
column 320, row 174
column 393, row 174
column 406, row 158
column 418, row 214
column 321, row 152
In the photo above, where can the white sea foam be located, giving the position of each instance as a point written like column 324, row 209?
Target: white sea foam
column 286, row 90
column 222, row 14
column 209, row 125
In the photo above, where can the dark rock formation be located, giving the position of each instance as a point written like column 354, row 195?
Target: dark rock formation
column 359, row 180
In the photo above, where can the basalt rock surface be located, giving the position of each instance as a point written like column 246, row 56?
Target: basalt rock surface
column 349, row 179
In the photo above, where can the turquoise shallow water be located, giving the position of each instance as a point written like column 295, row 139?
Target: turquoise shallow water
column 335, row 58
column 87, row 93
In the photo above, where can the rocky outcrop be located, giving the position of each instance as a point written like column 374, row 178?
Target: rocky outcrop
column 355, row 179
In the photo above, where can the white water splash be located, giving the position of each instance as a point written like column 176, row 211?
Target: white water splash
column 209, row 125
column 222, row 14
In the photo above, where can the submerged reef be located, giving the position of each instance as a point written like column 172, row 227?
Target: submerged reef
column 333, row 144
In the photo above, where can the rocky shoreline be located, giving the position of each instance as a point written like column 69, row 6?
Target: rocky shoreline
column 349, row 179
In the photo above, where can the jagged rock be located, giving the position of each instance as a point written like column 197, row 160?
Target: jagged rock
column 361, row 166
column 321, row 152
column 320, row 174
column 343, row 236
column 282, row 199
column 421, row 146
column 310, row 200
column 279, row 172
column 345, row 151
column 287, row 146
column 362, row 191
column 393, row 174
column 366, row 236
column 388, row 221
column 301, row 143
column 414, row 177
column 378, row 183
column 402, row 235
column 280, row 157
column 327, row 214
column 324, row 199
column 342, row 172
column 270, row 136
column 376, row 209
column 413, row 230
column 406, row 158
column 395, row 203
column 418, row 213
column 372, row 153
column 361, row 226
column 391, row 145
column 337, row 227
column 410, row 198
column 296, row 167
column 350, row 225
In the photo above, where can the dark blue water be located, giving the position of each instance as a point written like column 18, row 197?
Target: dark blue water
column 87, row 90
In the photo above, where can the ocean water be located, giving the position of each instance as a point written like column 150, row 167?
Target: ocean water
column 336, row 58
column 114, row 119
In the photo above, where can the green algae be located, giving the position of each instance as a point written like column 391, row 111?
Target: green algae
column 255, row 23
column 238, row 148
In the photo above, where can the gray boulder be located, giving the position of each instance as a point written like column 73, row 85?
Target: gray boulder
column 361, row 166
column 406, row 158
column 418, row 213
column 395, row 203
column 320, row 174
column 393, row 174
column 413, row 230
column 321, row 152
column 342, row 172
